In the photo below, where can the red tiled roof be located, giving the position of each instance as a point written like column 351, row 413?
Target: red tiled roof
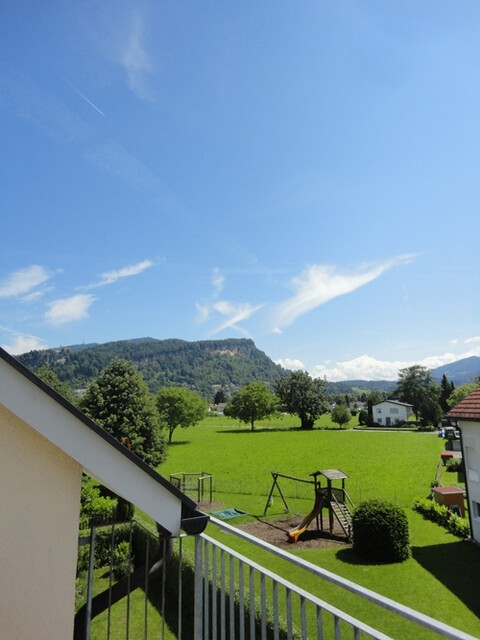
column 468, row 408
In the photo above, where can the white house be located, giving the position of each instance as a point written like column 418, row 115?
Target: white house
column 467, row 415
column 391, row 412
column 46, row 445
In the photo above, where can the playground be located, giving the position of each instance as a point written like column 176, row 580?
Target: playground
column 276, row 532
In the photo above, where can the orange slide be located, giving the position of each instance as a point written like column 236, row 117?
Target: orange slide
column 295, row 533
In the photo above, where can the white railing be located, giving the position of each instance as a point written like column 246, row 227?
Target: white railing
column 228, row 583
column 222, row 594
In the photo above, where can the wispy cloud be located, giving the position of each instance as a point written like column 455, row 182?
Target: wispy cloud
column 69, row 309
column 320, row 283
column 109, row 277
column 23, row 281
column 21, row 343
column 135, row 60
column 218, row 281
column 234, row 313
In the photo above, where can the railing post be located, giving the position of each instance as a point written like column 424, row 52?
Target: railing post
column 198, row 591
column 88, row 610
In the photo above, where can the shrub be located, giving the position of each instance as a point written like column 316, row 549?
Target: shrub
column 440, row 514
column 122, row 561
column 380, row 532
column 125, row 510
column 455, row 464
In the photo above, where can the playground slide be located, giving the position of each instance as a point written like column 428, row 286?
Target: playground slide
column 295, row 533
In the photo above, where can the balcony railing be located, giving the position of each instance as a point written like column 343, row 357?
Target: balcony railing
column 207, row 590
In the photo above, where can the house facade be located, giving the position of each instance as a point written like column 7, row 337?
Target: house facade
column 391, row 412
column 46, row 446
column 467, row 416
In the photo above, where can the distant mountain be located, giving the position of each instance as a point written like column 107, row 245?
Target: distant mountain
column 459, row 372
column 204, row 366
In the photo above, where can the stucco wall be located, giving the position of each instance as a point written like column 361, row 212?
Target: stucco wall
column 471, row 448
column 39, row 507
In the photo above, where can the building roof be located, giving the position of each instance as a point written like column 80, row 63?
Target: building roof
column 38, row 405
column 468, row 408
column 403, row 404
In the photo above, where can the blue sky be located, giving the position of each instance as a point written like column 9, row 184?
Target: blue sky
column 305, row 174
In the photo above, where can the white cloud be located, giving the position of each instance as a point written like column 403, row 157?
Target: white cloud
column 109, row 277
column 289, row 363
column 235, row 313
column 320, row 283
column 135, row 59
column 69, row 309
column 362, row 368
column 21, row 343
column 474, row 340
column 367, row 368
column 23, row 281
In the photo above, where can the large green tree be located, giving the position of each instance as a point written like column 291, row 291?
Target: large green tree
column 304, row 396
column 251, row 403
column 120, row 402
column 179, row 407
column 416, row 386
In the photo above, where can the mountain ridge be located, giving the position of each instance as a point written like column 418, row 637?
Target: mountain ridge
column 204, row 365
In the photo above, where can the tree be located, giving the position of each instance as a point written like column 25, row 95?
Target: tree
column 446, row 389
column 251, row 403
column 219, row 397
column 119, row 401
column 460, row 393
column 416, row 386
column 179, row 407
column 341, row 415
column 50, row 377
column 304, row 396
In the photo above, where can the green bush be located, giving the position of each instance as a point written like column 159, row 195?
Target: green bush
column 380, row 532
column 440, row 514
column 95, row 506
column 455, row 464
column 122, row 561
column 125, row 510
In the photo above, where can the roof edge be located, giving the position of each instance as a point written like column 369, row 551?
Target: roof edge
column 189, row 506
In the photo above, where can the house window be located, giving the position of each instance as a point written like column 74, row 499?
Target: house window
column 476, row 510
column 394, row 410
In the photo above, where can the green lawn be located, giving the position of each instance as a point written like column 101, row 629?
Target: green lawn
column 441, row 579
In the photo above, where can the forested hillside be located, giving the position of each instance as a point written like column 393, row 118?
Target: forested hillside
column 203, row 366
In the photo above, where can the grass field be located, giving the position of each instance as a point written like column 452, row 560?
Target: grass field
column 441, row 578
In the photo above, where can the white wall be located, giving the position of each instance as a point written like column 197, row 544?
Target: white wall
column 39, row 507
column 384, row 410
column 471, row 449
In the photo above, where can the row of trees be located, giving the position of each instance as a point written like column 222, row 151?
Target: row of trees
column 305, row 397
column 299, row 394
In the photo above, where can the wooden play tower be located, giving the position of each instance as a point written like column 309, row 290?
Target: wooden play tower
column 330, row 496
